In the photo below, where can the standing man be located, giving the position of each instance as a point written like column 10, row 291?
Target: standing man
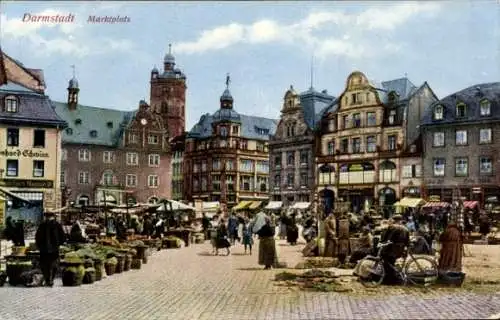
column 330, row 236
column 49, row 236
column 399, row 235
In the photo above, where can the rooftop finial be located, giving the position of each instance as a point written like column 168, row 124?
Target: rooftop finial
column 169, row 48
column 74, row 72
column 228, row 81
column 406, row 75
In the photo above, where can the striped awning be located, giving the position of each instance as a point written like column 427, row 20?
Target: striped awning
column 470, row 204
column 254, row 205
column 301, row 205
column 242, row 205
column 410, row 202
column 273, row 205
column 436, row 204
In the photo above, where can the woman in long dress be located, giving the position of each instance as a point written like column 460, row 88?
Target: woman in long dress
column 267, row 245
column 450, row 256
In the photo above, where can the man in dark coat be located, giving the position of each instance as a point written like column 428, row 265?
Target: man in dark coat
column 399, row 235
column 49, row 236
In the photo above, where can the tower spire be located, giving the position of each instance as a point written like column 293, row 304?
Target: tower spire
column 74, row 72
column 228, row 81
column 169, row 48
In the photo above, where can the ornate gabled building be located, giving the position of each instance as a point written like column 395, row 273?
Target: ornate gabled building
column 116, row 156
column 226, row 157
column 461, row 143
column 365, row 135
column 177, row 146
column 30, row 143
column 291, row 149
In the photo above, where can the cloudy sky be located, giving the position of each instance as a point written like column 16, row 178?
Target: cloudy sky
column 265, row 46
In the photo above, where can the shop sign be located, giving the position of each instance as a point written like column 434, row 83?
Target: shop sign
column 24, row 183
column 24, row 153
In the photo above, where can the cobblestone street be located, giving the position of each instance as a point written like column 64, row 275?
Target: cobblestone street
column 190, row 284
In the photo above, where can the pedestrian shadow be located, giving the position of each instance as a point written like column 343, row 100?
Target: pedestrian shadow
column 250, row 269
column 239, row 254
column 205, row 253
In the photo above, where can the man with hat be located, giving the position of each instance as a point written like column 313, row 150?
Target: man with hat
column 49, row 237
column 399, row 235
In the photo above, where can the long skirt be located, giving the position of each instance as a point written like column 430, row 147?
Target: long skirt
column 267, row 251
column 292, row 234
column 330, row 247
column 451, row 256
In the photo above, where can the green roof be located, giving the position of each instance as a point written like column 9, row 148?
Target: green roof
column 106, row 124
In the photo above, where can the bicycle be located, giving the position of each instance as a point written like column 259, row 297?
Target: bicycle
column 376, row 272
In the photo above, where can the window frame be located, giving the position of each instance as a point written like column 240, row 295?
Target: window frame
column 16, row 161
column 490, row 136
column 130, row 156
column 110, row 155
column 480, row 166
column 434, row 144
column 11, row 107
column 83, row 174
column 10, row 132
column 129, row 176
column 82, row 153
column 466, row 174
column 368, row 144
column 153, row 139
column 156, row 164
column 435, row 113
column 466, row 137
column 368, row 123
column 434, row 160
column 153, row 185
column 39, row 131
column 457, row 109
column 35, row 169
column 482, row 103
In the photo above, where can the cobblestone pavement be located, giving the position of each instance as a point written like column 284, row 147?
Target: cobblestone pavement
column 189, row 283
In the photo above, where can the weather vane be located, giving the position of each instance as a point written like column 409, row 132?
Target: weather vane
column 228, row 81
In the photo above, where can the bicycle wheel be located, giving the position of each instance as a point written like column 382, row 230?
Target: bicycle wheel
column 370, row 272
column 421, row 271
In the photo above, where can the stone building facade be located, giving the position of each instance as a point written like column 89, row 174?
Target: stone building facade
column 178, row 145
column 291, row 149
column 114, row 156
column 226, row 157
column 364, row 137
column 461, row 143
column 30, row 143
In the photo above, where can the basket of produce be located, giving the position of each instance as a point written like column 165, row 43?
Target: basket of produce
column 110, row 266
column 120, row 266
column 136, row 263
column 90, row 276
column 173, row 242
column 73, row 269
column 99, row 269
column 16, row 266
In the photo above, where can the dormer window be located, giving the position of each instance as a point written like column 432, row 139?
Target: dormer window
column 461, row 110
column 11, row 104
column 393, row 96
column 109, row 124
column 235, row 130
column 438, row 112
column 78, row 121
column 392, row 116
column 93, row 134
column 290, row 103
column 69, row 131
column 485, row 108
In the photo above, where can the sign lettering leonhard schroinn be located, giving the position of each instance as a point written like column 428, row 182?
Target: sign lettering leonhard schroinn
column 25, row 153
column 23, row 183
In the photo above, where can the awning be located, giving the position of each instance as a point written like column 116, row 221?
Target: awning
column 273, row 205
column 13, row 195
column 470, row 204
column 436, row 204
column 254, row 205
column 242, row 205
column 176, row 205
column 410, row 202
column 301, row 205
column 109, row 198
column 211, row 206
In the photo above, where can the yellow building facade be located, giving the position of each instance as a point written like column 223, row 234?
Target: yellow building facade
column 30, row 143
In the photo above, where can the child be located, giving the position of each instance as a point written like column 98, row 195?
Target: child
column 247, row 236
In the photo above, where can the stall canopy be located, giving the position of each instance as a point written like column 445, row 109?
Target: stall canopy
column 410, row 202
column 436, row 204
column 274, row 205
column 242, row 205
column 301, row 205
column 211, row 206
column 470, row 204
column 254, row 205
column 13, row 195
column 176, row 205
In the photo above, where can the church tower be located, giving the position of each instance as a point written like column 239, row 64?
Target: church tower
column 73, row 90
column 168, row 95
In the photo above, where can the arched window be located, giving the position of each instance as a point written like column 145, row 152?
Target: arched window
column 153, row 200
column 461, row 110
column 326, row 175
column 83, row 200
column 387, row 172
column 223, row 131
column 107, row 178
column 438, row 112
column 485, row 108
column 11, row 104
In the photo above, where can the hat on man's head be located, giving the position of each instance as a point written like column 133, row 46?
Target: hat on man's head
column 397, row 217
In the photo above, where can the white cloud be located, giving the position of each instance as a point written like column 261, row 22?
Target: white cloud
column 346, row 34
